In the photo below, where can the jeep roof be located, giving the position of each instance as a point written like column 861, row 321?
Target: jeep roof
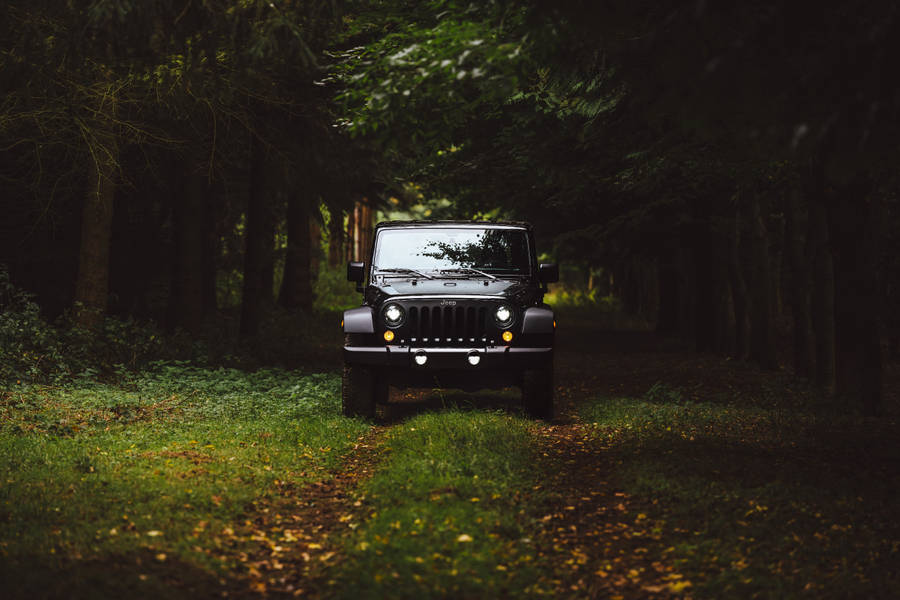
column 455, row 223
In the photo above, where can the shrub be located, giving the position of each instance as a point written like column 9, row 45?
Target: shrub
column 33, row 350
column 30, row 348
column 578, row 298
column 660, row 393
column 333, row 291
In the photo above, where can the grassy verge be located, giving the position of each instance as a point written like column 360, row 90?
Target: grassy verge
column 761, row 502
column 445, row 514
column 128, row 488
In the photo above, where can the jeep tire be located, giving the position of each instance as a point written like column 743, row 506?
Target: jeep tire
column 537, row 393
column 358, row 392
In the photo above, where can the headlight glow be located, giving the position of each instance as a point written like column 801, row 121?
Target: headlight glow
column 393, row 315
column 503, row 315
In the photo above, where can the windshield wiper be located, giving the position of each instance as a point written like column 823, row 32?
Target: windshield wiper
column 406, row 271
column 467, row 270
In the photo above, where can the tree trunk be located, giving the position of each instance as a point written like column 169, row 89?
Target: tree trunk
column 296, row 285
column 211, row 249
column 362, row 230
column 738, row 290
column 777, row 259
column 92, row 284
column 351, row 235
column 724, row 335
column 628, row 281
column 687, row 298
column 315, row 242
column 798, row 280
column 822, row 302
column 368, row 229
column 135, row 250
column 854, row 227
column 704, row 304
column 189, row 220
column 762, row 333
column 267, row 264
column 669, row 292
column 335, row 238
column 649, row 289
column 258, row 244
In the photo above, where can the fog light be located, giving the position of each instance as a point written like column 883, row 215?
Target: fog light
column 507, row 336
column 474, row 358
column 420, row 357
column 389, row 336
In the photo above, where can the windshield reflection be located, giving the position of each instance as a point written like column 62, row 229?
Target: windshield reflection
column 503, row 251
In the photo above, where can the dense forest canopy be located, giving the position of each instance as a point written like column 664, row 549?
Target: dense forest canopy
column 726, row 170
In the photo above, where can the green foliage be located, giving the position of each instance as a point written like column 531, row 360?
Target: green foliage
column 661, row 393
column 429, row 75
column 30, row 349
column 565, row 297
column 588, row 308
column 34, row 351
column 231, row 393
column 446, row 516
column 118, row 344
column 333, row 291
column 164, row 468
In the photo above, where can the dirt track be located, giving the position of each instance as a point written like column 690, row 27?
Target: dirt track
column 593, row 537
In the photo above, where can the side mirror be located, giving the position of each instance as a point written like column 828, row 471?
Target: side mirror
column 549, row 272
column 356, row 271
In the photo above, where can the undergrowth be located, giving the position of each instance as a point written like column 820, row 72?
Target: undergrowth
column 579, row 308
column 154, row 472
column 33, row 350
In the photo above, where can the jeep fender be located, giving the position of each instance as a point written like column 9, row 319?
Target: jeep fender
column 537, row 320
column 359, row 320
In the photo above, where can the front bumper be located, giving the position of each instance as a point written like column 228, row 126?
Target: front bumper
column 453, row 359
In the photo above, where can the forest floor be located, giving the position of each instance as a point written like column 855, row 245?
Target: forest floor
column 665, row 474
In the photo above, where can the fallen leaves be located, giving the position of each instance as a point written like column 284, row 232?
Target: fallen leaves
column 287, row 544
column 595, row 538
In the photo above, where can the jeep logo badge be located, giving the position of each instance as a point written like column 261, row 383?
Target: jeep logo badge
column 448, row 302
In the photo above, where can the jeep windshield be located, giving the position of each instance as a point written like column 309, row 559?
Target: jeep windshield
column 457, row 251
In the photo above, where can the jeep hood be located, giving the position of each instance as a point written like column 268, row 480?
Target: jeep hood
column 500, row 288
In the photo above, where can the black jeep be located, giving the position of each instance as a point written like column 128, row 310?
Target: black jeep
column 455, row 304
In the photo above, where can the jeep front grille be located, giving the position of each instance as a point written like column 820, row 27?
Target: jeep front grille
column 429, row 323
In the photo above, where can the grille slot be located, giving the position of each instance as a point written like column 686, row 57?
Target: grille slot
column 429, row 323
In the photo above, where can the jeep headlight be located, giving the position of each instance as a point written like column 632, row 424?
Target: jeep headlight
column 393, row 315
column 503, row 315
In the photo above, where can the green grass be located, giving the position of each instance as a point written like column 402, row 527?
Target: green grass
column 175, row 481
column 760, row 502
column 150, row 478
column 447, row 513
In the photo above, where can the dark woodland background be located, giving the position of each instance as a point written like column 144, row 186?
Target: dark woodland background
column 726, row 172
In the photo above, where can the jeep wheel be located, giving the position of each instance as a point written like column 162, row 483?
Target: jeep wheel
column 358, row 392
column 537, row 393
column 382, row 390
